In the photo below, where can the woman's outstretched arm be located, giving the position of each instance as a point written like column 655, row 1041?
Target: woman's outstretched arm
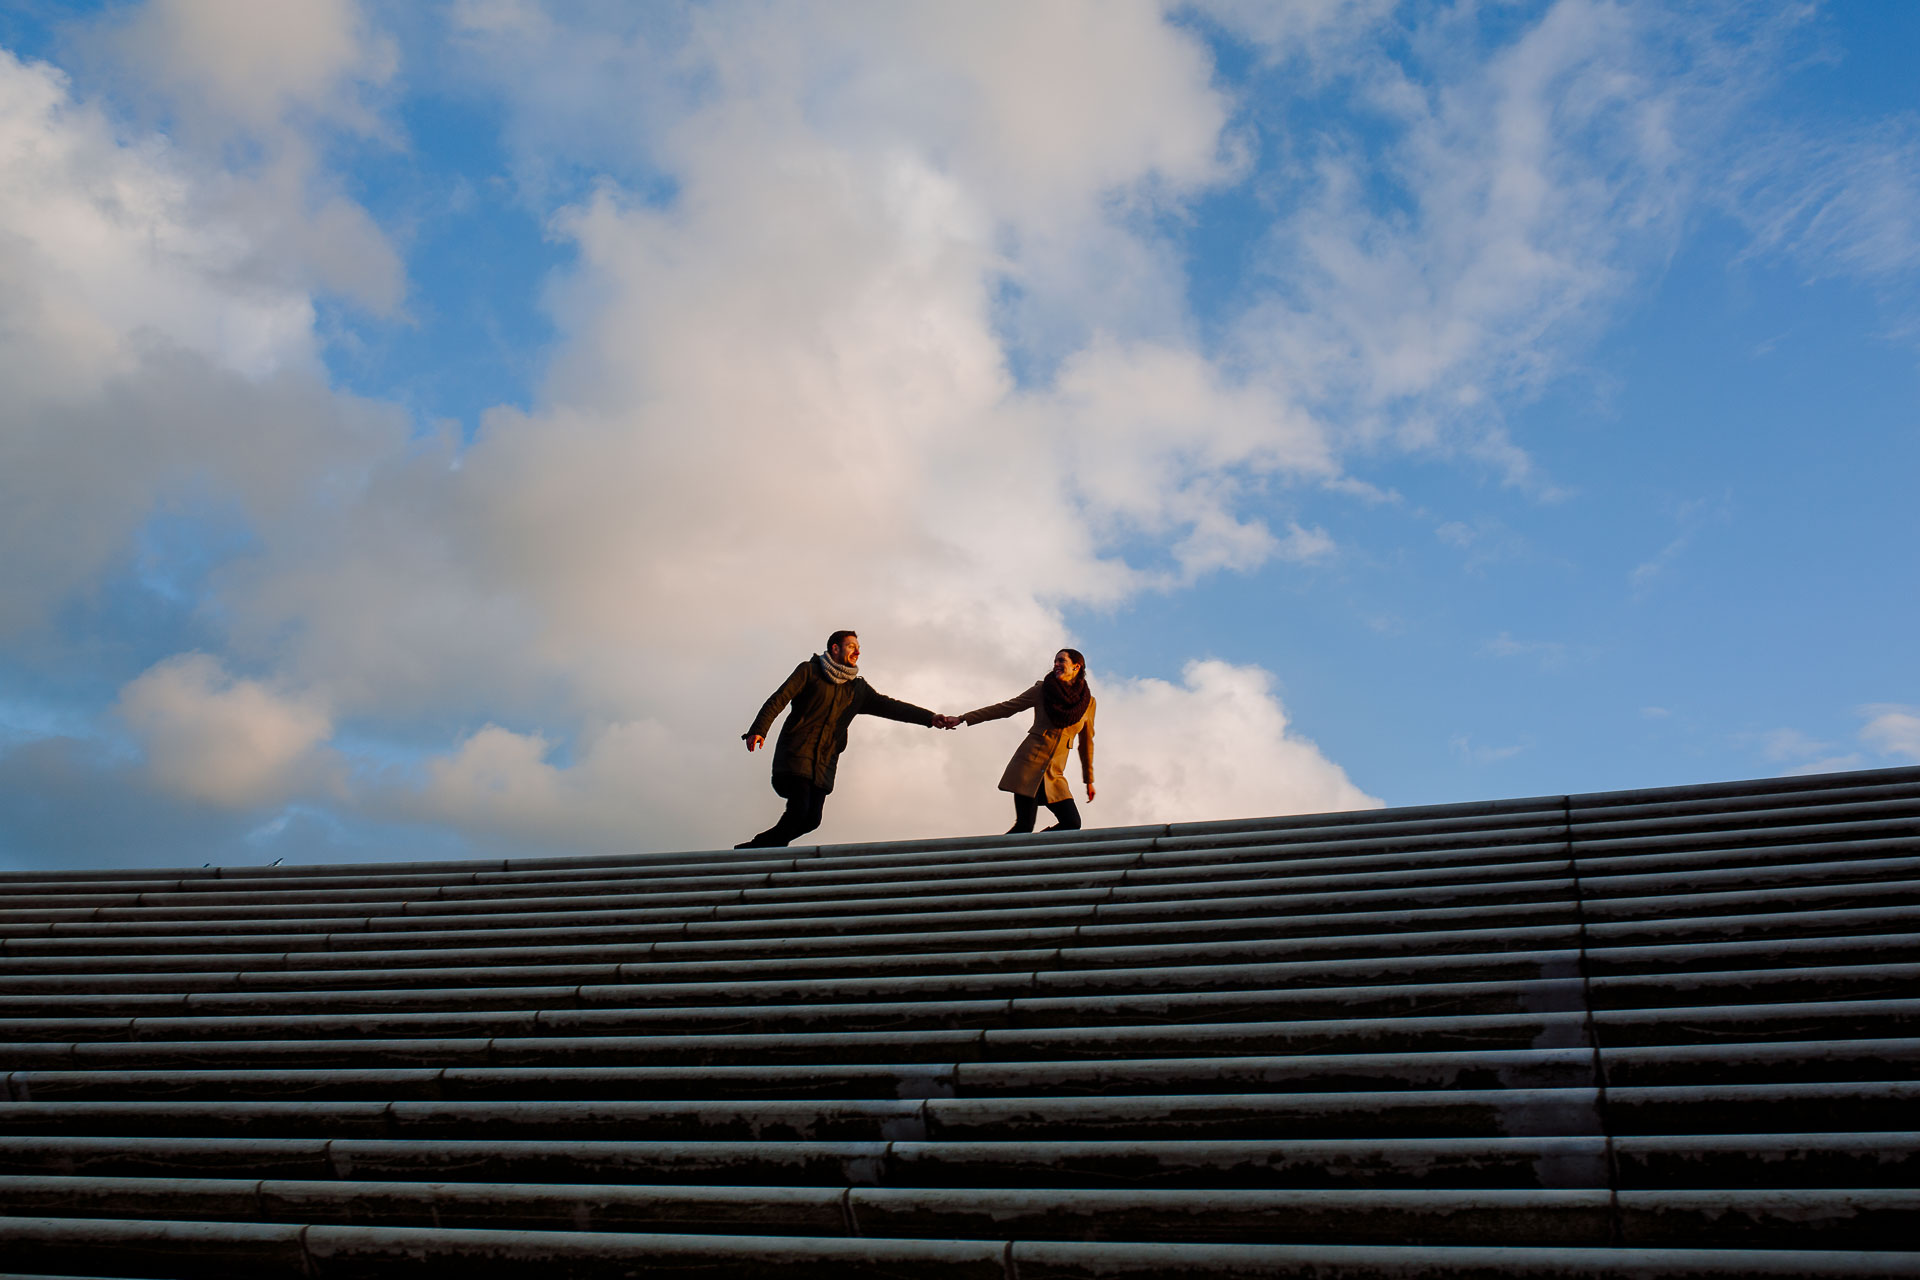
column 1001, row 710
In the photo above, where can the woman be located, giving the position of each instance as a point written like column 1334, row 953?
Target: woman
column 1063, row 709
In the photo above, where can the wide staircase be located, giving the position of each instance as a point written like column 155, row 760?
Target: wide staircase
column 1655, row 1033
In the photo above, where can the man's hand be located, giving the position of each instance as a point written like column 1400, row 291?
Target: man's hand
column 755, row 742
column 947, row 722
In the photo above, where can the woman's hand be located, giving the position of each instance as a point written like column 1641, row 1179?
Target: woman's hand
column 1089, row 793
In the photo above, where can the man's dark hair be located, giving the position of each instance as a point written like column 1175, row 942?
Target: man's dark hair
column 839, row 638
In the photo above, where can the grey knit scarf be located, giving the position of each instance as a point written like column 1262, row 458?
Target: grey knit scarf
column 837, row 672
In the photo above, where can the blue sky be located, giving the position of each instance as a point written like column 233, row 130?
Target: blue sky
column 433, row 429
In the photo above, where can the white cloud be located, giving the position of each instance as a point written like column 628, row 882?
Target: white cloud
column 781, row 405
column 1461, row 745
column 1216, row 745
column 1798, row 753
column 1790, row 744
column 1691, row 516
column 1060, row 124
column 1485, row 540
column 232, row 743
column 1305, row 545
column 1825, row 764
column 1459, row 264
column 234, row 78
column 106, row 242
column 1892, row 730
column 1647, row 571
column 499, row 782
column 253, row 65
column 790, row 380
column 632, row 785
column 1152, row 441
column 1041, row 110
column 782, row 408
column 782, row 399
column 1550, row 654
column 1845, row 205
column 143, row 360
column 1304, row 30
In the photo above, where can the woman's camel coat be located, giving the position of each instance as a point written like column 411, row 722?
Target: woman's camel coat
column 1042, row 756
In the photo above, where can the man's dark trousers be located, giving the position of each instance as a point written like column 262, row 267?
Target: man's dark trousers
column 804, row 803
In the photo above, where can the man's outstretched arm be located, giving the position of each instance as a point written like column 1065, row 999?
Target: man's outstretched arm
column 879, row 704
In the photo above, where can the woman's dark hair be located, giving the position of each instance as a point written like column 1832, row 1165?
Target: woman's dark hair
column 839, row 638
column 1066, row 701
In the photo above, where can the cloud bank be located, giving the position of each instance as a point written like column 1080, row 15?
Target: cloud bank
column 782, row 404
column 877, row 317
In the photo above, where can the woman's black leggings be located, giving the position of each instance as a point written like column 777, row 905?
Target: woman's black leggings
column 1066, row 815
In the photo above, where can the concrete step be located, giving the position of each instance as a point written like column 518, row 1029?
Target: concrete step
column 196, row 1249
column 1637, row 955
column 1646, row 983
column 1795, row 1160
column 1127, row 878
column 1438, row 1113
column 672, row 984
column 471, row 968
column 996, row 905
column 714, row 938
column 1506, row 983
column 1652, row 1162
column 1141, row 874
column 1696, row 1027
column 1140, row 865
column 1789, row 1062
column 1863, row 1220
column 1355, row 933
column 1457, row 1112
column 1874, row 883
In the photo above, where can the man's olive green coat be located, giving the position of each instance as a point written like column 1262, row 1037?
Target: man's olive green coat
column 816, row 732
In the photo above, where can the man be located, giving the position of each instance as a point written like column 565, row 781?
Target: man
column 827, row 693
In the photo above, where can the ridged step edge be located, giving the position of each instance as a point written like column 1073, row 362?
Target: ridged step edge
column 1856, row 1220
column 203, row 1249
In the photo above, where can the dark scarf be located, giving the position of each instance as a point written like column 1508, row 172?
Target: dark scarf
column 1065, row 703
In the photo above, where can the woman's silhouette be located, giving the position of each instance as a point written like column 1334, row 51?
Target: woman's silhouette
column 1063, row 709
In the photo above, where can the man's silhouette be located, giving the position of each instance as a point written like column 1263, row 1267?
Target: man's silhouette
column 827, row 693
